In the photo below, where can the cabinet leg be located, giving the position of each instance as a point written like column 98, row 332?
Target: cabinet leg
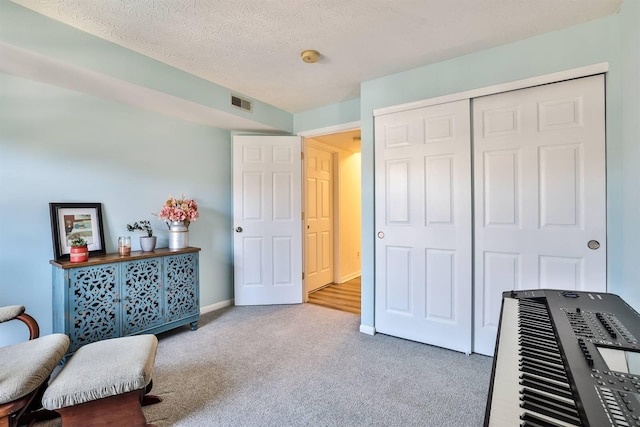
column 194, row 325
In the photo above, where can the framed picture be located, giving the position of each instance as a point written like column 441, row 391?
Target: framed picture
column 72, row 220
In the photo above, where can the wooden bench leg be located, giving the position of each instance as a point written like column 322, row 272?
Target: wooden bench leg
column 11, row 412
column 120, row 410
column 150, row 399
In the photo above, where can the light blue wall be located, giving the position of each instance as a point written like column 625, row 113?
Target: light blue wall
column 627, row 185
column 614, row 39
column 28, row 30
column 590, row 43
column 58, row 145
column 330, row 115
column 126, row 158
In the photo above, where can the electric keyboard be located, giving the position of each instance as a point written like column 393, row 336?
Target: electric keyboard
column 565, row 358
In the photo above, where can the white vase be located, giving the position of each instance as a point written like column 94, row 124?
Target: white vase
column 178, row 235
column 147, row 243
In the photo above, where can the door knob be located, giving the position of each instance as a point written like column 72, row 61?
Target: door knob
column 238, row 229
column 593, row 244
column 380, row 235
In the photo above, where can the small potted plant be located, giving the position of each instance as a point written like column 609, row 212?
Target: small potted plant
column 79, row 251
column 148, row 242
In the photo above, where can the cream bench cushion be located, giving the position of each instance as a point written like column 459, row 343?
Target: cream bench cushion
column 103, row 369
column 27, row 365
column 9, row 312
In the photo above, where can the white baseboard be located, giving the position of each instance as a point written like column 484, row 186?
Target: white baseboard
column 369, row 330
column 350, row 277
column 216, row 306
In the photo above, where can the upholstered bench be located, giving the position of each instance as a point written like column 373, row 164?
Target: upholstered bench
column 103, row 383
column 25, row 368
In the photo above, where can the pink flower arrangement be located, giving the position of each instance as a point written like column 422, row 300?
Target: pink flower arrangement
column 181, row 209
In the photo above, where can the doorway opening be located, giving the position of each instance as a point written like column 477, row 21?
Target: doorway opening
column 344, row 296
column 332, row 220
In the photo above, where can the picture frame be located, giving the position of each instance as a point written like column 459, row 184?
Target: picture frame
column 71, row 220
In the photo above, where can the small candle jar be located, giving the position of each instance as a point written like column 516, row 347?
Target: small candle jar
column 124, row 245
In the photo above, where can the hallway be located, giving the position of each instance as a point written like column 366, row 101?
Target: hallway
column 343, row 297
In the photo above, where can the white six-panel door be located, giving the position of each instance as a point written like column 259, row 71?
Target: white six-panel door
column 267, row 214
column 423, row 225
column 318, row 218
column 539, row 187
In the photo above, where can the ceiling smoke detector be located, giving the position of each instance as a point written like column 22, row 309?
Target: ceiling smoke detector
column 310, row 56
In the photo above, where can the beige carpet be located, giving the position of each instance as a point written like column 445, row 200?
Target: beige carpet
column 305, row 365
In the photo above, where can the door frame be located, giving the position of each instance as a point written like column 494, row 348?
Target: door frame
column 345, row 127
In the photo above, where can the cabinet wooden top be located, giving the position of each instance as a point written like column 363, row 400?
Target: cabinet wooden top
column 107, row 258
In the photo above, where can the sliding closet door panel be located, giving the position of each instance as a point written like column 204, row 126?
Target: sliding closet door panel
column 539, row 191
column 423, row 225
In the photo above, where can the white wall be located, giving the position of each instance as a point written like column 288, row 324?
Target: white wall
column 350, row 215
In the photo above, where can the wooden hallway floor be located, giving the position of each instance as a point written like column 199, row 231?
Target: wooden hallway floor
column 344, row 297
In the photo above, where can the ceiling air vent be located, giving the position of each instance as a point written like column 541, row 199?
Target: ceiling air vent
column 243, row 104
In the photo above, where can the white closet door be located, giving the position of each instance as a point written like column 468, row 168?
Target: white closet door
column 423, row 225
column 539, row 187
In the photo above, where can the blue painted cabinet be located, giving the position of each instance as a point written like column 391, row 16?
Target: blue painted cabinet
column 111, row 295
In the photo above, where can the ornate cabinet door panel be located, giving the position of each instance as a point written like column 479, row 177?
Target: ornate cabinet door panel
column 95, row 301
column 141, row 282
column 182, row 293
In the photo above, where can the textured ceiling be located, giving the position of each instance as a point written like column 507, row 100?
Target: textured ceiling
column 253, row 47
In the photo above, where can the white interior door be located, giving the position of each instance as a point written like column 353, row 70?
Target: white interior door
column 267, row 214
column 539, row 185
column 318, row 218
column 423, row 224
